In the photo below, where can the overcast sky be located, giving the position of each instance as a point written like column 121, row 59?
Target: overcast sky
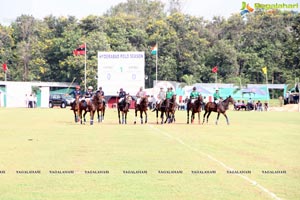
column 10, row 9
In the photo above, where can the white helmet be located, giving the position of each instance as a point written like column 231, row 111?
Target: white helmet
column 90, row 88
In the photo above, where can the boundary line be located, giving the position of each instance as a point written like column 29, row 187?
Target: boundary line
column 253, row 182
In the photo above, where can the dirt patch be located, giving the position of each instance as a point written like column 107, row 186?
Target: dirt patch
column 286, row 108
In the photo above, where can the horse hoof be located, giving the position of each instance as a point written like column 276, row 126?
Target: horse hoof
column 134, row 122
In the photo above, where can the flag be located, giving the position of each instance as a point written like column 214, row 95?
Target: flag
column 154, row 50
column 214, row 69
column 4, row 66
column 264, row 70
column 79, row 51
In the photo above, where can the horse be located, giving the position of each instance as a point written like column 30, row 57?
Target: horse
column 220, row 108
column 75, row 108
column 100, row 106
column 194, row 108
column 124, row 108
column 162, row 108
column 142, row 107
column 170, row 110
column 91, row 106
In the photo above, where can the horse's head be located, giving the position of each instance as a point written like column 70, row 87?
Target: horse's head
column 173, row 98
column 128, row 99
column 144, row 101
column 77, row 97
column 98, row 98
column 200, row 98
column 230, row 99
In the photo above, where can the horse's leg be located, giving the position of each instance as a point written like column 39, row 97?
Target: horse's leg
column 188, row 116
column 167, row 115
column 208, row 117
column 125, row 117
column 162, row 116
column 75, row 116
column 92, row 113
column 141, row 116
column 199, row 118
column 192, row 117
column 84, row 119
column 135, row 116
column 119, row 116
column 227, row 120
column 103, row 113
column 146, row 117
column 99, row 118
column 204, row 117
column 217, row 118
column 156, row 116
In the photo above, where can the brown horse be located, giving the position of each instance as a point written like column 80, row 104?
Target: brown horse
column 194, row 108
column 75, row 108
column 220, row 108
column 100, row 106
column 124, row 108
column 162, row 108
column 90, row 105
column 142, row 107
column 170, row 110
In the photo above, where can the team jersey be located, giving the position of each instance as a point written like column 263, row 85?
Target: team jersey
column 194, row 95
column 216, row 96
column 76, row 93
column 169, row 94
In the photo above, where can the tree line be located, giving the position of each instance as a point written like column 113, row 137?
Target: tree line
column 188, row 46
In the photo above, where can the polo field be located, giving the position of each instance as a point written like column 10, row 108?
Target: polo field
column 46, row 155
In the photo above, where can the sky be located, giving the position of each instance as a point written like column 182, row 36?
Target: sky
column 11, row 9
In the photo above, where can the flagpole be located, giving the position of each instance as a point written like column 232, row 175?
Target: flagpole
column 85, row 67
column 268, row 96
column 216, row 79
column 156, row 58
column 5, row 76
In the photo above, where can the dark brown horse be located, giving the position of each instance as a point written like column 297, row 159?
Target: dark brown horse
column 220, row 108
column 162, row 107
column 90, row 105
column 100, row 106
column 123, row 107
column 75, row 108
column 194, row 108
column 142, row 107
column 170, row 110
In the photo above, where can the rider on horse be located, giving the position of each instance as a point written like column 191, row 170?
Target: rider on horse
column 122, row 96
column 88, row 95
column 169, row 96
column 217, row 97
column 140, row 94
column 194, row 95
column 102, row 94
column 75, row 93
column 161, row 97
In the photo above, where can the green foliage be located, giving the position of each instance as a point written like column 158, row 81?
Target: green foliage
column 41, row 50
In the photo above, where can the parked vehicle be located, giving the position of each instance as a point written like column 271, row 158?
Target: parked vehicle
column 58, row 100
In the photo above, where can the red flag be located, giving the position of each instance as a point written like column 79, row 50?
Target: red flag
column 4, row 66
column 79, row 51
column 214, row 69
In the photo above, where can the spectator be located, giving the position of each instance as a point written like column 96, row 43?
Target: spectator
column 259, row 106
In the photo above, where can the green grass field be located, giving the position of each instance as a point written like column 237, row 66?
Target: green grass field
column 49, row 140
